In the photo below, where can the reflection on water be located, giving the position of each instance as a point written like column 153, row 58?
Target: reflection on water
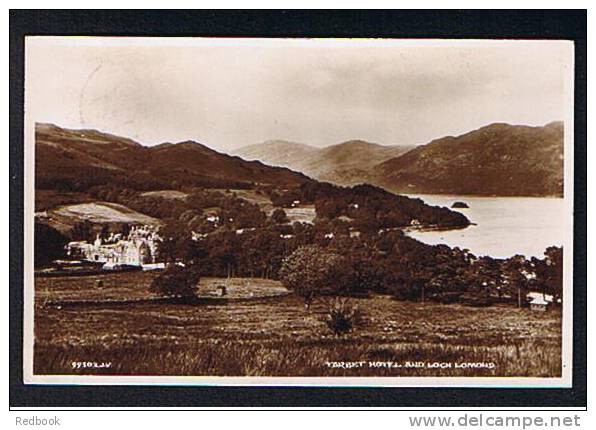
column 505, row 226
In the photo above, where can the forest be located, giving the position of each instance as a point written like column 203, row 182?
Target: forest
column 355, row 228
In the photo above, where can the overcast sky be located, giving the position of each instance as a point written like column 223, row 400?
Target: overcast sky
column 228, row 93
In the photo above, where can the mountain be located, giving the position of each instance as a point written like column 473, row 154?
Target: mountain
column 74, row 160
column 346, row 163
column 349, row 162
column 276, row 152
column 86, row 179
column 499, row 159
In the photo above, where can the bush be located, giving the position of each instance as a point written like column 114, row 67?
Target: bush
column 342, row 317
column 177, row 281
column 279, row 216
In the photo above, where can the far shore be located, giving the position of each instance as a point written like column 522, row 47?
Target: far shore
column 487, row 196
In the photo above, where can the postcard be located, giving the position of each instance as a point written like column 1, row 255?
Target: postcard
column 309, row 212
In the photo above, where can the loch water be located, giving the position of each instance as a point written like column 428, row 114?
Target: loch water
column 502, row 226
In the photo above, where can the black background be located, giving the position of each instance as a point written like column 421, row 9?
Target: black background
column 503, row 24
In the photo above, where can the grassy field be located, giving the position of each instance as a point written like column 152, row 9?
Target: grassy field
column 166, row 194
column 253, row 197
column 302, row 213
column 103, row 212
column 277, row 337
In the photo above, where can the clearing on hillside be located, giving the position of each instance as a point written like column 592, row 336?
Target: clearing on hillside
column 302, row 213
column 100, row 213
column 251, row 196
column 166, row 194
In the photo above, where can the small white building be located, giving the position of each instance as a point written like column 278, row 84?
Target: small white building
column 538, row 295
column 197, row 236
column 539, row 301
column 539, row 304
column 244, row 230
column 213, row 219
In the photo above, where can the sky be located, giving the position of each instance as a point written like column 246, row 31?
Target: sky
column 228, row 93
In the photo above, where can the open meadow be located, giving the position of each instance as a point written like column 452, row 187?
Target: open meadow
column 262, row 330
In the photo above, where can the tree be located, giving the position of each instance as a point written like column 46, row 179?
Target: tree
column 223, row 249
column 310, row 271
column 105, row 231
column 514, row 270
column 486, row 274
column 82, row 230
column 549, row 272
column 176, row 241
column 279, row 216
column 49, row 244
column 554, row 262
column 177, row 282
column 422, row 271
column 125, row 229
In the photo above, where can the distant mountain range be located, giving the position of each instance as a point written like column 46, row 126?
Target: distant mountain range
column 74, row 160
column 499, row 159
column 346, row 163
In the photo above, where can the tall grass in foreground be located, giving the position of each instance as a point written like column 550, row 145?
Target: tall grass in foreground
column 308, row 358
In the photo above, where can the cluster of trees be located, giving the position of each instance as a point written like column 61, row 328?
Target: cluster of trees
column 370, row 207
column 49, row 244
column 411, row 270
column 245, row 242
column 449, row 275
column 310, row 263
column 256, row 253
column 362, row 208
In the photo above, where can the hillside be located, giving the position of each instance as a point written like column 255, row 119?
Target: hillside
column 276, row 152
column 86, row 175
column 346, row 163
column 350, row 162
column 499, row 159
column 63, row 218
column 74, row 160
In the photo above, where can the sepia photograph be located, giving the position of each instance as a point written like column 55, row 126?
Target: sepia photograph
column 298, row 211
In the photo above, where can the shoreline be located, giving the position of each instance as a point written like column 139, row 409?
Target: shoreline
column 484, row 196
